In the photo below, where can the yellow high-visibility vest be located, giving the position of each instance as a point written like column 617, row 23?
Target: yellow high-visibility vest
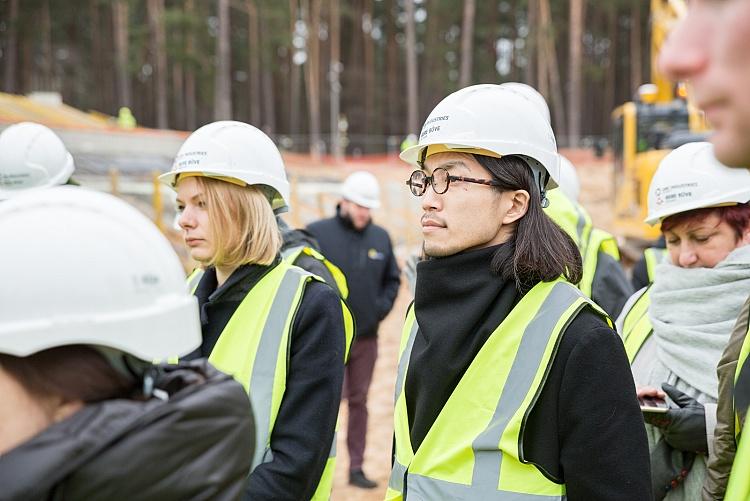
column 653, row 256
column 291, row 255
column 738, row 488
column 636, row 327
column 473, row 449
column 254, row 349
column 576, row 222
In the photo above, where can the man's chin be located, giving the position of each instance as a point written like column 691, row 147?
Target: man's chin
column 731, row 151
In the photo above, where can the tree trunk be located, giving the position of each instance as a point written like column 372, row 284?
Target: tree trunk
column 635, row 46
column 268, row 89
column 611, row 73
column 312, row 74
column 393, row 102
column 295, row 76
column 223, row 86
column 159, row 56
column 467, row 43
column 253, row 51
column 542, row 64
column 574, row 72
column 411, row 70
column 47, row 58
column 11, row 47
column 191, row 120
column 371, row 118
column 178, row 95
column 558, row 104
column 121, row 21
column 531, row 48
column 334, row 77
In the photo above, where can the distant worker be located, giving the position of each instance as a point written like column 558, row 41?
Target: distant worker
column 125, row 118
column 710, row 49
column 364, row 253
column 280, row 331
column 91, row 294
column 511, row 383
column 677, row 329
column 31, row 157
column 603, row 278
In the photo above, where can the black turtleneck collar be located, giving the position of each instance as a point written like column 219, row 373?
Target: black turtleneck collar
column 458, row 303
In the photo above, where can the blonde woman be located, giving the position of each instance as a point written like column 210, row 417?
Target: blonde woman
column 278, row 330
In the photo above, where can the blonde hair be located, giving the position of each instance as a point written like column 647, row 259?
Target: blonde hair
column 243, row 225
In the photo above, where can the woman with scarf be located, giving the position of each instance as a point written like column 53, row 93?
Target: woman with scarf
column 676, row 330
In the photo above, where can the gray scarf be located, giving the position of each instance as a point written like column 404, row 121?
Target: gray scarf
column 693, row 311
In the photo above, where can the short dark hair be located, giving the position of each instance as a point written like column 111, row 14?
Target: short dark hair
column 736, row 216
column 539, row 250
column 74, row 372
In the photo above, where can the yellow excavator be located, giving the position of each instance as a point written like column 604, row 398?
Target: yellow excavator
column 660, row 119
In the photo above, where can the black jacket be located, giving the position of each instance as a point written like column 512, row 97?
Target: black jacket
column 304, row 429
column 366, row 259
column 128, row 449
column 585, row 429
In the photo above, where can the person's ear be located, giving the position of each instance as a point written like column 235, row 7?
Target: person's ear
column 518, row 204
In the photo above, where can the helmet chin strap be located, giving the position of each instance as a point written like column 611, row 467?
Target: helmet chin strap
column 540, row 178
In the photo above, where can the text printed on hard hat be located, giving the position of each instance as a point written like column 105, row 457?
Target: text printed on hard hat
column 674, row 193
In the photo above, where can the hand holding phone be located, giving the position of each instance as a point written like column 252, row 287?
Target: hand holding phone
column 653, row 404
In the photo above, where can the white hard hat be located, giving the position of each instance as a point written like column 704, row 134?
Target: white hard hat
column 495, row 119
column 532, row 95
column 363, row 189
column 569, row 183
column 84, row 267
column 691, row 178
column 32, row 156
column 233, row 151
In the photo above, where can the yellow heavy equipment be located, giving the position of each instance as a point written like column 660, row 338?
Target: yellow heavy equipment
column 660, row 119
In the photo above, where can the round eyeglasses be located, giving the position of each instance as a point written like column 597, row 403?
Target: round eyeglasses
column 440, row 181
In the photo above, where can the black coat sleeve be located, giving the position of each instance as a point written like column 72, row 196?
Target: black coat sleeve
column 391, row 283
column 597, row 445
column 304, row 429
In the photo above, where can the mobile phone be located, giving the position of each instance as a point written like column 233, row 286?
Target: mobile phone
column 651, row 404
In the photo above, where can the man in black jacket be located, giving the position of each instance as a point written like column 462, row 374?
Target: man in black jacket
column 363, row 252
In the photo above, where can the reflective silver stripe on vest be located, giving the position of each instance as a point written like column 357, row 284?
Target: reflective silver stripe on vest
column 403, row 363
column 291, row 250
column 487, row 461
column 580, row 226
column 396, row 481
column 332, row 454
column 423, row 488
column 264, row 368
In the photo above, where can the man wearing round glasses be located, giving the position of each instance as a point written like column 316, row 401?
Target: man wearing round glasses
column 511, row 384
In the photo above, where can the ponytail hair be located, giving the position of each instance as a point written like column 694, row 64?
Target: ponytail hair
column 539, row 250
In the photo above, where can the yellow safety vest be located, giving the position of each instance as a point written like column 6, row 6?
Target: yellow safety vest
column 292, row 254
column 576, row 222
column 254, row 349
column 636, row 326
column 738, row 488
column 653, row 256
column 473, row 449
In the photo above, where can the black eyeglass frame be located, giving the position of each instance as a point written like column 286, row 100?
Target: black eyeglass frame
column 430, row 180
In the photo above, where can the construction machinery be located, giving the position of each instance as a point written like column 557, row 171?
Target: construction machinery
column 660, row 119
